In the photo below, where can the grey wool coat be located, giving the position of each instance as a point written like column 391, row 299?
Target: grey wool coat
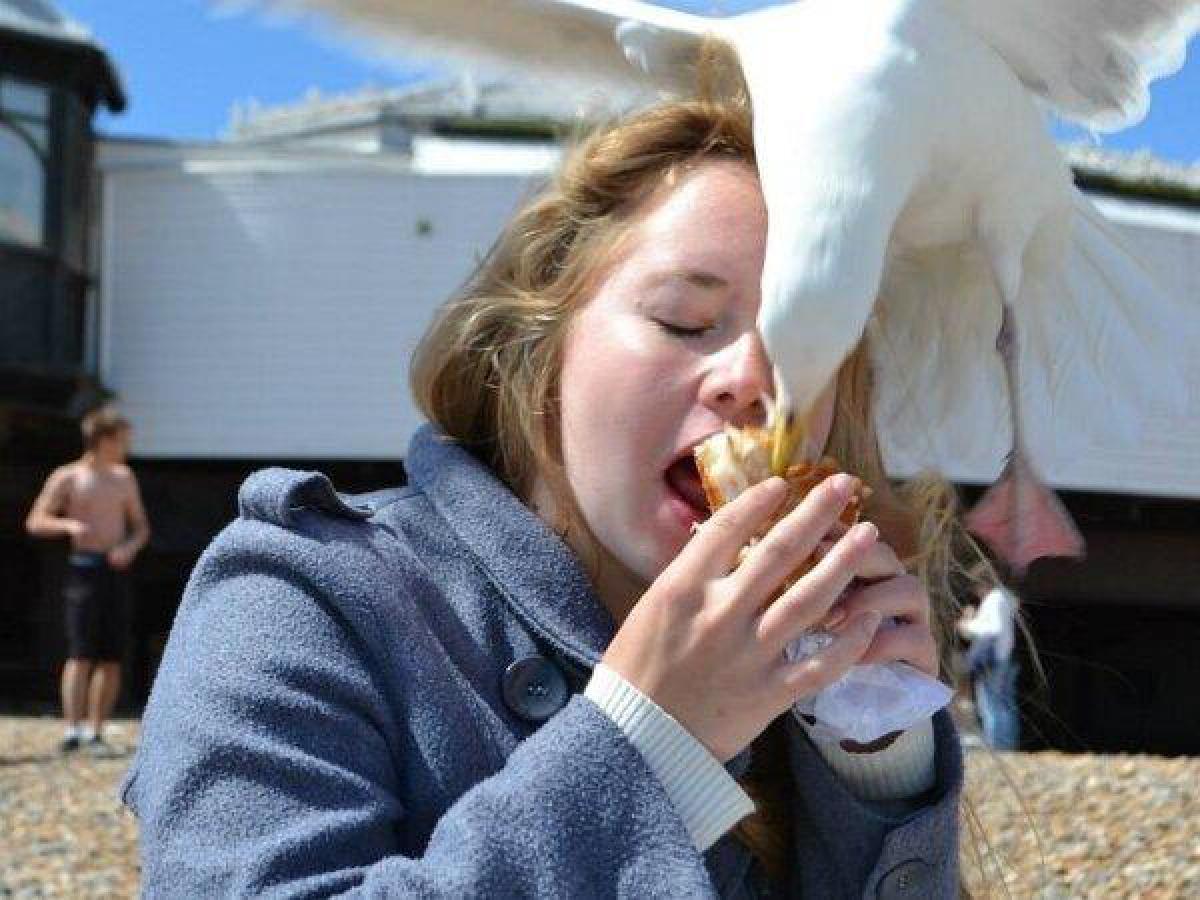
column 380, row 696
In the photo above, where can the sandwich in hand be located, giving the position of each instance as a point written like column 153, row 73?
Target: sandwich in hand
column 733, row 460
column 894, row 695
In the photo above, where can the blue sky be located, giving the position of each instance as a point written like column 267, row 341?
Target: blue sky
column 184, row 66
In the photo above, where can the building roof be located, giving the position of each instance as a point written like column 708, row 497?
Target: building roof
column 38, row 17
column 38, row 22
column 509, row 107
column 1139, row 174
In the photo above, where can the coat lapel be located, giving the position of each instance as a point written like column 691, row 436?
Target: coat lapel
column 537, row 574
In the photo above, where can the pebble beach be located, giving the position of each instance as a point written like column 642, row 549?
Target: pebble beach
column 1076, row 825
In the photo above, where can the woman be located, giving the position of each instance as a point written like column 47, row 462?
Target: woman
column 523, row 675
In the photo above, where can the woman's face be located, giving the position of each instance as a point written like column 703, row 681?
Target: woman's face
column 664, row 354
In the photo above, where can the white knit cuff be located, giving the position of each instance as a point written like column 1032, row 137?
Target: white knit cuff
column 706, row 797
column 903, row 769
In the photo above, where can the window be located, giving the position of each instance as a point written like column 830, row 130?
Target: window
column 22, row 190
column 24, row 150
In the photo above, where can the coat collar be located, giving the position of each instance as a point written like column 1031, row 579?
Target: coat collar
column 537, row 574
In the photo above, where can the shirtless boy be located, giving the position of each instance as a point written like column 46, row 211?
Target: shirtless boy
column 95, row 502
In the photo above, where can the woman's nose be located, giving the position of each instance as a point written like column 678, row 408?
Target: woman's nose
column 739, row 377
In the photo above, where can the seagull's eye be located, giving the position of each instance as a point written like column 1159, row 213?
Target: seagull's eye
column 683, row 331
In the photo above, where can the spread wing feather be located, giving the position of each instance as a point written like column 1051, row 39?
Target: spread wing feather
column 1109, row 350
column 576, row 40
column 1090, row 59
column 1100, row 354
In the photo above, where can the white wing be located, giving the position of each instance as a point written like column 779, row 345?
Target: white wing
column 575, row 40
column 1113, row 348
column 1090, row 59
column 1101, row 352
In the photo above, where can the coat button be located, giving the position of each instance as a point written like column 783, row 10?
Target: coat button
column 534, row 688
column 912, row 878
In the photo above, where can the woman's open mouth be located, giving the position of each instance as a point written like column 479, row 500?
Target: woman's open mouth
column 683, row 483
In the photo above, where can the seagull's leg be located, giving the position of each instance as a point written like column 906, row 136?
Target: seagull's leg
column 1019, row 517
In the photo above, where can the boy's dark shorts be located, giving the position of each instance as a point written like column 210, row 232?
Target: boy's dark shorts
column 96, row 607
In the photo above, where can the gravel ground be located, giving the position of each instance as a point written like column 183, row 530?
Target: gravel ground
column 64, row 832
column 1109, row 826
column 1106, row 826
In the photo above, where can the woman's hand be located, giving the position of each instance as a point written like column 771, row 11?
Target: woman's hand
column 706, row 643
column 885, row 587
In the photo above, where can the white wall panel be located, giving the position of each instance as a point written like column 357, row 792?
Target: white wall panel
column 269, row 311
column 273, row 314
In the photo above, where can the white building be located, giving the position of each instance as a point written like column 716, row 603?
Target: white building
column 260, row 297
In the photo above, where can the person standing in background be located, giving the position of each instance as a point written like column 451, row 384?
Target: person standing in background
column 992, row 668
column 94, row 501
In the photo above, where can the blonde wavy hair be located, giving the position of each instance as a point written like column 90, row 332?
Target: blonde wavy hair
column 487, row 371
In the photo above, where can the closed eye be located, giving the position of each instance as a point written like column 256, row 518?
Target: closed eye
column 683, row 331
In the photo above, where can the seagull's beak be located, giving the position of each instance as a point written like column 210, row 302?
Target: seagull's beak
column 787, row 428
column 787, row 433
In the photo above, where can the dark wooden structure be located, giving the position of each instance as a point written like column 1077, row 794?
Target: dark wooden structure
column 52, row 78
column 1118, row 634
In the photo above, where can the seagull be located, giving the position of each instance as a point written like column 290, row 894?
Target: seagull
column 914, row 194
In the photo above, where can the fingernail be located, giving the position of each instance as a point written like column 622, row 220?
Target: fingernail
column 844, row 485
column 836, row 617
column 870, row 622
column 866, row 532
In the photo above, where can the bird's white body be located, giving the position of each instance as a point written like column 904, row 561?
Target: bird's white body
column 925, row 140
column 913, row 191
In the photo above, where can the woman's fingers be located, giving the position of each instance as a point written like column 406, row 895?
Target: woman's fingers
column 902, row 597
column 912, row 644
column 794, row 538
column 808, row 601
column 881, row 563
column 806, row 677
column 905, row 637
column 713, row 549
